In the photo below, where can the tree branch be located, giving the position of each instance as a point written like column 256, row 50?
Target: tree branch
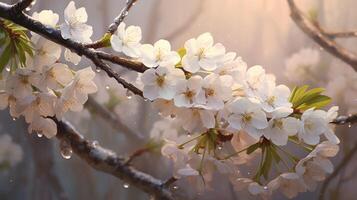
column 114, row 26
column 342, row 120
column 55, row 36
column 21, row 5
column 107, row 161
column 320, row 38
column 339, row 167
column 341, row 34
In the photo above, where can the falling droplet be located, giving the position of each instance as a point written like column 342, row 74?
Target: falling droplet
column 107, row 87
column 349, row 125
column 126, row 186
column 66, row 149
column 129, row 95
column 175, row 187
column 39, row 135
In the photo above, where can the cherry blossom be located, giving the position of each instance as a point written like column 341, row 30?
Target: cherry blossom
column 159, row 55
column 127, row 40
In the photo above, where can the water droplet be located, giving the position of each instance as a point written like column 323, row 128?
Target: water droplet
column 7, row 69
column 98, row 69
column 265, row 187
column 219, row 147
column 66, row 149
column 173, row 116
column 14, row 119
column 129, row 95
column 39, row 135
column 349, row 125
column 175, row 187
column 146, row 99
column 107, row 87
column 189, row 135
column 95, row 143
column 126, row 186
column 248, row 173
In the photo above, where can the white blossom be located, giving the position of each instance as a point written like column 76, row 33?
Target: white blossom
column 313, row 124
column 247, row 116
column 201, row 53
column 127, row 40
column 74, row 26
column 187, row 91
column 161, row 82
column 280, row 129
column 72, row 57
column 159, row 55
column 290, row 184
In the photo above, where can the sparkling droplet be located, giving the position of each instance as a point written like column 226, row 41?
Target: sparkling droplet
column 95, row 143
column 66, row 149
column 175, row 187
column 265, row 187
column 189, row 135
column 107, row 87
column 14, row 119
column 126, row 186
column 98, row 70
column 39, row 135
column 349, row 125
column 220, row 147
column 7, row 69
column 129, row 95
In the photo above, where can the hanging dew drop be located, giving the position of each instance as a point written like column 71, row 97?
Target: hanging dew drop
column 107, row 87
column 220, row 147
column 98, row 70
column 39, row 135
column 175, row 187
column 14, row 119
column 66, row 149
column 129, row 95
column 265, row 188
column 126, row 186
column 349, row 125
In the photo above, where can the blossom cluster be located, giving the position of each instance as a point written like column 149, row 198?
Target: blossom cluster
column 216, row 98
column 47, row 88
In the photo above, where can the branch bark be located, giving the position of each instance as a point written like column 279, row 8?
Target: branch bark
column 107, row 161
column 342, row 120
column 55, row 36
column 320, row 38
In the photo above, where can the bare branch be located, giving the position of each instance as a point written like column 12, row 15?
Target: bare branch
column 339, row 167
column 127, row 63
column 107, row 161
column 342, row 120
column 114, row 26
column 320, row 38
column 55, row 36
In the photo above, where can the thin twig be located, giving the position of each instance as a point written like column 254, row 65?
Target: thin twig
column 114, row 26
column 342, row 120
column 320, row 38
column 21, row 5
column 339, row 167
column 107, row 161
column 341, row 34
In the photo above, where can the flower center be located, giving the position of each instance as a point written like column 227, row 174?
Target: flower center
column 201, row 53
column 278, row 124
column 160, row 80
column 271, row 100
column 247, row 117
column 209, row 92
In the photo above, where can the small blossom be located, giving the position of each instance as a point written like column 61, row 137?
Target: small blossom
column 127, row 40
column 161, row 82
column 72, row 57
column 247, row 116
column 159, row 55
column 280, row 129
column 74, row 26
column 187, row 91
column 290, row 184
column 312, row 126
column 201, row 53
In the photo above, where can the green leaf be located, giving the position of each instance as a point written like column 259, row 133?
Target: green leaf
column 317, row 103
column 253, row 147
column 303, row 99
column 5, row 57
column 267, row 163
column 275, row 154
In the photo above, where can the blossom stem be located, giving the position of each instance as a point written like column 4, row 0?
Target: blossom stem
column 183, row 144
column 236, row 153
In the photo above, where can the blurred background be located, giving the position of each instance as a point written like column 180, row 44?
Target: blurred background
column 260, row 31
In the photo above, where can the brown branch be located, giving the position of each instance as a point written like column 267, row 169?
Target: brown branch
column 127, row 63
column 320, row 38
column 339, row 167
column 107, row 161
column 343, row 120
column 55, row 36
column 114, row 26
